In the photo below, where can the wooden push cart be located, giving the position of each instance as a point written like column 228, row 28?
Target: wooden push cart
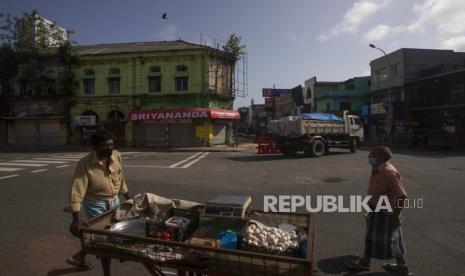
column 187, row 259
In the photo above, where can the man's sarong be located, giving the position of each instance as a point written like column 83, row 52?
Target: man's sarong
column 381, row 241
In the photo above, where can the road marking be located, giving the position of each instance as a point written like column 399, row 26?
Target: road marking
column 39, row 161
column 194, row 161
column 67, row 156
column 62, row 166
column 55, row 159
column 125, row 157
column 150, row 166
column 22, row 164
column 9, row 176
column 185, row 160
column 38, row 171
column 10, row 169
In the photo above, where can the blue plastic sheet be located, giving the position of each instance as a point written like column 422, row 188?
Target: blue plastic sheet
column 228, row 239
column 322, row 117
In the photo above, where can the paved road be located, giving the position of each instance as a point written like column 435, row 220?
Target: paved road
column 35, row 241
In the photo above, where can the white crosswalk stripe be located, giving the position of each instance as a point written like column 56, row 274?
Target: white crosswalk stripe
column 22, row 164
column 9, row 176
column 10, row 169
column 39, row 161
column 55, row 159
column 38, row 171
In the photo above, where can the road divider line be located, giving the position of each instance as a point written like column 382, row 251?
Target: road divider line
column 22, row 164
column 38, row 171
column 195, row 161
column 186, row 160
column 62, row 166
column 9, row 176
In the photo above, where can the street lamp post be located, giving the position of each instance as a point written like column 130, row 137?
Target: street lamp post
column 388, row 111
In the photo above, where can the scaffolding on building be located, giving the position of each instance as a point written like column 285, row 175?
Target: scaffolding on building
column 235, row 84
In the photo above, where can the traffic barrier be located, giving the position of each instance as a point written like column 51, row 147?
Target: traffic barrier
column 267, row 148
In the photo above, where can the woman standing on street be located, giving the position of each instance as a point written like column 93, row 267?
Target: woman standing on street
column 384, row 235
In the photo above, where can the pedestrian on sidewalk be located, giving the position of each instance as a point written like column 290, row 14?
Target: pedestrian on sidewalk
column 383, row 239
column 97, row 182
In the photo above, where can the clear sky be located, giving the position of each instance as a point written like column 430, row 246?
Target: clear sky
column 288, row 41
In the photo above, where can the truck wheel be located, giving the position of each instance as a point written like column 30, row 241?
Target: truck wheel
column 353, row 145
column 317, row 148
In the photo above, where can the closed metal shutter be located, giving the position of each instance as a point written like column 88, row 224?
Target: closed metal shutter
column 183, row 135
column 49, row 133
column 155, row 135
column 3, row 133
column 219, row 134
column 26, row 133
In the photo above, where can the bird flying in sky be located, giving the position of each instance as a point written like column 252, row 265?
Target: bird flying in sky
column 164, row 16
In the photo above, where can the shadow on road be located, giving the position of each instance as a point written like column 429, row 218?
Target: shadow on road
column 433, row 153
column 337, row 265
column 274, row 157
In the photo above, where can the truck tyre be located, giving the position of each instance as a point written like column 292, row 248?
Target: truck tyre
column 353, row 145
column 317, row 148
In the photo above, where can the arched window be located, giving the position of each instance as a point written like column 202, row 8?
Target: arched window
column 154, row 79
column 50, row 83
column 88, row 82
column 181, row 78
column 91, row 113
column 181, row 68
column 115, row 115
column 114, row 79
column 89, row 73
column 155, row 69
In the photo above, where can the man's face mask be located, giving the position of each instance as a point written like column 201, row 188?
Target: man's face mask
column 104, row 152
column 105, row 149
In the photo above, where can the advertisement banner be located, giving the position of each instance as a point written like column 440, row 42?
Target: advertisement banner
column 267, row 92
column 268, row 102
column 183, row 113
column 87, row 120
column 204, row 132
column 377, row 109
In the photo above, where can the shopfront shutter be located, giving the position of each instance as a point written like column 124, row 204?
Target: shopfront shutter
column 155, row 135
column 3, row 133
column 26, row 133
column 182, row 135
column 49, row 133
column 219, row 134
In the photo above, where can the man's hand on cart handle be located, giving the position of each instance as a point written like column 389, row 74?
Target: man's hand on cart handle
column 75, row 225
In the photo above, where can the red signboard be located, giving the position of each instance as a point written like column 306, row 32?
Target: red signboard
column 267, row 92
column 183, row 113
column 268, row 102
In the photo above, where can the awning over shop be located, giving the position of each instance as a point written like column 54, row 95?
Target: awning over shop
column 183, row 113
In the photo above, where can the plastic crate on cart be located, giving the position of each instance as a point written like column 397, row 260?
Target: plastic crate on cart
column 165, row 229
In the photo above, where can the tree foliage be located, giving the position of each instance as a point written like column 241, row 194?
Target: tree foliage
column 234, row 46
column 29, row 47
